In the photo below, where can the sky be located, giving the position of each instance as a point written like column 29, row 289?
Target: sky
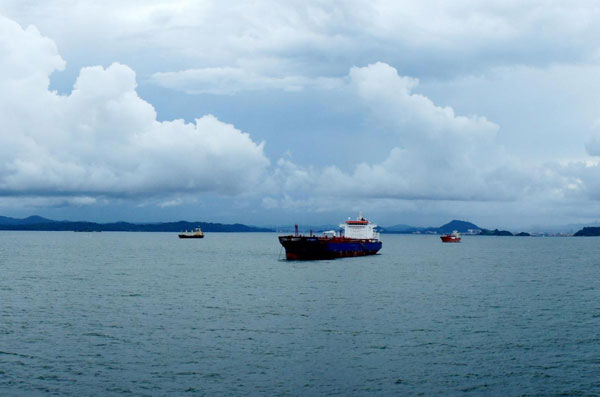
column 270, row 113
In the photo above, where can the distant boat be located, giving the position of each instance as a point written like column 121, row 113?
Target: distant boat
column 196, row 233
column 359, row 238
column 453, row 237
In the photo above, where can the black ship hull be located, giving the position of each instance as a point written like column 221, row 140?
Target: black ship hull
column 314, row 248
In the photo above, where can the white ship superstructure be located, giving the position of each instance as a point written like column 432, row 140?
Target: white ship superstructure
column 360, row 228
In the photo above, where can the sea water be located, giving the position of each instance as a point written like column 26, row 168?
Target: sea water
column 149, row 314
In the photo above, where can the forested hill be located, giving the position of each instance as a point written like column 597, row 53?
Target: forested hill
column 43, row 224
column 588, row 232
column 449, row 227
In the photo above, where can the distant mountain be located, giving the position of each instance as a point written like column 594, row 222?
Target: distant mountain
column 588, row 232
column 460, row 226
column 401, row 229
column 43, row 224
column 495, row 232
column 5, row 220
column 567, row 229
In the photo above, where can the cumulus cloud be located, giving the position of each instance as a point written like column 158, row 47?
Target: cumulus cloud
column 102, row 138
column 390, row 96
column 439, row 155
column 586, row 174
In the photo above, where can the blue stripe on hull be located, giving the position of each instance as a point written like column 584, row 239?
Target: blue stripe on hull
column 354, row 249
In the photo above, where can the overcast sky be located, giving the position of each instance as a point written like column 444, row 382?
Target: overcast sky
column 269, row 112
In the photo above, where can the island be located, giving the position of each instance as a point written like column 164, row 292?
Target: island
column 495, row 232
column 523, row 234
column 589, row 231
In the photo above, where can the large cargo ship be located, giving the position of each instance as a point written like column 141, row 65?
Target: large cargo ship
column 197, row 233
column 356, row 238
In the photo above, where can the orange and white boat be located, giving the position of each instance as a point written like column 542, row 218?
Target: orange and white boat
column 453, row 237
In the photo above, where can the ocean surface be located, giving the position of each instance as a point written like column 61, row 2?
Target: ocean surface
column 149, row 314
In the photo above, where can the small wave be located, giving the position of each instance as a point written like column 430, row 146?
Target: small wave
column 14, row 354
column 99, row 335
column 474, row 387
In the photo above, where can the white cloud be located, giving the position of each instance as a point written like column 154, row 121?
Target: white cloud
column 439, row 156
column 269, row 44
column 103, row 139
column 227, row 80
column 27, row 55
column 272, row 40
column 390, row 98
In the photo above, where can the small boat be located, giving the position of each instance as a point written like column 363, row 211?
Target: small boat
column 196, row 233
column 453, row 237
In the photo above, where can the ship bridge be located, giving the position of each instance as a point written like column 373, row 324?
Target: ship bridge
column 359, row 228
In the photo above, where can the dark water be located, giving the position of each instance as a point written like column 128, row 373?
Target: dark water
column 149, row 314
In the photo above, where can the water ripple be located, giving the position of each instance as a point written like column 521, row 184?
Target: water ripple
column 142, row 314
